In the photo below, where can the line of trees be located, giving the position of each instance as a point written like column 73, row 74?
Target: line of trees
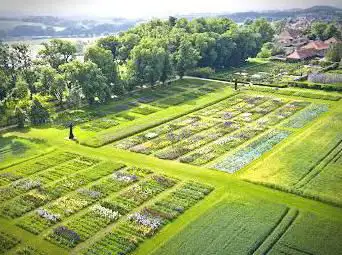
column 149, row 53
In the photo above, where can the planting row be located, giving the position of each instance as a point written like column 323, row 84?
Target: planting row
column 27, row 168
column 244, row 156
column 179, row 137
column 305, row 116
column 60, row 209
column 41, row 194
column 109, row 210
column 43, row 178
column 145, row 223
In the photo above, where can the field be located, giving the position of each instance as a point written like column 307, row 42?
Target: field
column 237, row 228
column 191, row 168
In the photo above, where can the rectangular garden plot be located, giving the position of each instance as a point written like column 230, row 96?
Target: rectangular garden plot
column 139, row 226
column 209, row 133
column 109, row 210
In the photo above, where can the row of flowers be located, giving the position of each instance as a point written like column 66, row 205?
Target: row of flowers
column 243, row 157
column 204, row 139
column 23, row 201
column 145, row 223
column 7, row 242
column 110, row 209
column 39, row 173
column 71, row 203
column 307, row 115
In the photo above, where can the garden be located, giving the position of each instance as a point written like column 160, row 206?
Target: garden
column 132, row 107
column 272, row 73
column 152, row 189
column 67, row 198
column 208, row 136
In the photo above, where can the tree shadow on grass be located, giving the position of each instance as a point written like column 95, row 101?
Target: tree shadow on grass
column 17, row 146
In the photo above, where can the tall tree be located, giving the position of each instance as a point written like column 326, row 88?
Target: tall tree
column 111, row 43
column 147, row 61
column 57, row 52
column 87, row 77
column 172, row 21
column 104, row 60
column 264, row 28
column 185, row 58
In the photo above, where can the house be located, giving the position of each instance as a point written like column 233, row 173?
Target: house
column 302, row 54
column 319, row 46
column 291, row 37
column 288, row 36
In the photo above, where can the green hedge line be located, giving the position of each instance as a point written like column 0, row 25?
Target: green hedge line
column 280, row 85
column 320, row 86
column 302, row 93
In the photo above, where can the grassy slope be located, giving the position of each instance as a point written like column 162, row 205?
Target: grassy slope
column 225, row 185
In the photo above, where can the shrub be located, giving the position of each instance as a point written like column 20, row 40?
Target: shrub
column 202, row 72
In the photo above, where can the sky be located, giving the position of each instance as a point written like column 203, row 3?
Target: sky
column 148, row 8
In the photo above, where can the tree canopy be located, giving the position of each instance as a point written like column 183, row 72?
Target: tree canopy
column 146, row 54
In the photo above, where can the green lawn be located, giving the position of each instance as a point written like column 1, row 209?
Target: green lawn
column 62, row 197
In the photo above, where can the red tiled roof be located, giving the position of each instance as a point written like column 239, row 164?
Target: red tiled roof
column 317, row 45
column 302, row 54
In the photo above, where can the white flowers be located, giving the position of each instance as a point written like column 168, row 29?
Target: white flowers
column 90, row 193
column 49, row 216
column 105, row 212
column 26, row 184
column 124, row 177
column 146, row 220
column 151, row 135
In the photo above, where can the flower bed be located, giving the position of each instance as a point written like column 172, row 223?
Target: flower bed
column 307, row 115
column 109, row 210
column 222, row 145
column 244, row 156
column 72, row 203
column 144, row 110
column 56, row 182
column 282, row 113
column 144, row 224
column 204, row 137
